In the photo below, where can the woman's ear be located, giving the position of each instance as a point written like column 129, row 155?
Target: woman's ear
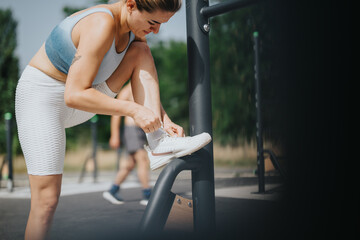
column 130, row 5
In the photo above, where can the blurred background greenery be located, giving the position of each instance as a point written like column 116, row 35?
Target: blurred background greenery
column 232, row 78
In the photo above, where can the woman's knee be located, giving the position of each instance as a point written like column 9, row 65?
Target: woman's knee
column 45, row 193
column 49, row 205
column 47, row 200
column 130, row 164
column 140, row 51
column 43, row 208
column 141, row 157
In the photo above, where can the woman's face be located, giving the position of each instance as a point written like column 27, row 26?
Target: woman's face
column 143, row 23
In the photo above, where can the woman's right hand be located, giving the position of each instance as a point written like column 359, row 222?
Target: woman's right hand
column 147, row 120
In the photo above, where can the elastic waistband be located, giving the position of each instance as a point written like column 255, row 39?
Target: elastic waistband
column 36, row 76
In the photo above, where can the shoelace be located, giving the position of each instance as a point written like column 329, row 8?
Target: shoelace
column 165, row 136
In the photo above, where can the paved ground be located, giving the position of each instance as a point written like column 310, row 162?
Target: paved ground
column 83, row 214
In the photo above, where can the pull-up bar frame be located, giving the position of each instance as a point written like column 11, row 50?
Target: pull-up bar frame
column 200, row 163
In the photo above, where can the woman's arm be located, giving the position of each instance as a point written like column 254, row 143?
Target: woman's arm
column 93, row 37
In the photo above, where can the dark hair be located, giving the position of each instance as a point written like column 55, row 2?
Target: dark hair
column 153, row 5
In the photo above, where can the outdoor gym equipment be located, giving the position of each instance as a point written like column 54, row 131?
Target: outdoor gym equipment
column 259, row 134
column 200, row 163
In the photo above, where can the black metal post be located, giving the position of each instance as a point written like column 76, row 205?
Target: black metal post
column 92, row 156
column 200, row 163
column 259, row 139
column 161, row 199
column 160, row 202
column 8, row 125
column 200, row 114
column 94, row 142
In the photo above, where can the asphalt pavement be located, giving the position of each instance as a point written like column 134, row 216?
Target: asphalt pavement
column 82, row 213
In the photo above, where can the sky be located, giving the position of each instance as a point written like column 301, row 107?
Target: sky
column 36, row 19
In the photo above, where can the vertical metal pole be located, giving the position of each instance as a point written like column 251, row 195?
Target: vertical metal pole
column 200, row 115
column 161, row 199
column 94, row 142
column 8, row 119
column 259, row 139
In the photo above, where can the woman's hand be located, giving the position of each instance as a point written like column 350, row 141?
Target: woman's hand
column 147, row 120
column 172, row 128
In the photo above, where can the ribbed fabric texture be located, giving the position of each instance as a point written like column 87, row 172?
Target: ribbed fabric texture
column 42, row 116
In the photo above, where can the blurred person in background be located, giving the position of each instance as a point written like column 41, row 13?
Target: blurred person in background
column 134, row 141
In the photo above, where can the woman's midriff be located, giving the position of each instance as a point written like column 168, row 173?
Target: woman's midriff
column 42, row 62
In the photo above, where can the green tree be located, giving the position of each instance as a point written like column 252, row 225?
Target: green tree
column 9, row 68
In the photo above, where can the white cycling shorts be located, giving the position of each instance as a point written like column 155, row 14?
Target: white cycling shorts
column 42, row 116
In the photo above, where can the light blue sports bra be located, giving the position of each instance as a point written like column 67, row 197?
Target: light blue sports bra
column 60, row 48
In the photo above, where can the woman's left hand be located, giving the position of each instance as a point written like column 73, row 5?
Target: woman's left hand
column 172, row 128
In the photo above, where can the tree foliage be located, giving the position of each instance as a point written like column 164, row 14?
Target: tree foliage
column 9, row 68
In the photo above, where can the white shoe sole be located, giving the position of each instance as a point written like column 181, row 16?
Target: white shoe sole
column 162, row 162
column 168, row 158
column 144, row 202
column 111, row 199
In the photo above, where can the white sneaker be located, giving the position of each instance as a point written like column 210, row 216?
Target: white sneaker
column 175, row 147
column 114, row 199
column 144, row 202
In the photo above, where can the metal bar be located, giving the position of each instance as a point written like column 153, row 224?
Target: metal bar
column 8, row 125
column 1, row 168
column 225, row 7
column 161, row 199
column 200, row 115
column 83, row 169
column 94, row 141
column 259, row 139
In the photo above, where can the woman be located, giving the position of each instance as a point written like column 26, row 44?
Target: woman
column 76, row 73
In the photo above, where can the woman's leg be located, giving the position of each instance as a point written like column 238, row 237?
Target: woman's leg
column 40, row 115
column 138, row 64
column 45, row 192
column 113, row 194
column 142, row 161
column 125, row 169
